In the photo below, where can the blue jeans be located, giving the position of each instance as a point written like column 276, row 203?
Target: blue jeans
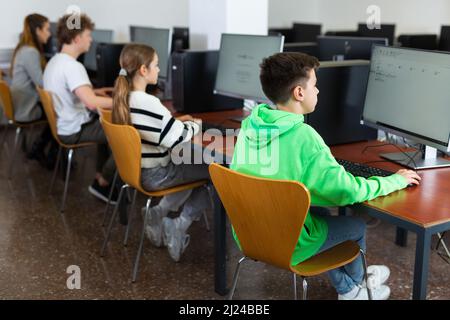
column 340, row 229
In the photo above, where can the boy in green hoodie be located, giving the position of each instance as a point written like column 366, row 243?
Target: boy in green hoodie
column 275, row 143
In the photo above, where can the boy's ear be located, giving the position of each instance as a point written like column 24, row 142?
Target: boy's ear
column 298, row 93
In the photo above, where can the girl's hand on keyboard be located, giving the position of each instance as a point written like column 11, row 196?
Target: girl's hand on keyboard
column 411, row 176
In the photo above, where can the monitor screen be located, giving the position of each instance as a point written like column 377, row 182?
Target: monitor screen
column 90, row 57
column 239, row 60
column 444, row 39
column 306, row 32
column 346, row 48
column 385, row 31
column 158, row 39
column 407, row 94
column 180, row 38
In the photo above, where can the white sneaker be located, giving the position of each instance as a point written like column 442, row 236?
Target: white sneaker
column 153, row 230
column 174, row 238
column 380, row 293
column 377, row 275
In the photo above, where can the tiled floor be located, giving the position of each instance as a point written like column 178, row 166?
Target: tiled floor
column 37, row 245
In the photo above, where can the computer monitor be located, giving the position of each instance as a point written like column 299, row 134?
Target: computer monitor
column 108, row 66
column 408, row 95
column 418, row 41
column 306, row 32
column 180, row 39
column 385, row 31
column 51, row 47
column 159, row 39
column 346, row 48
column 337, row 116
column 239, row 59
column 90, row 57
column 288, row 33
column 310, row 48
column 444, row 39
column 343, row 33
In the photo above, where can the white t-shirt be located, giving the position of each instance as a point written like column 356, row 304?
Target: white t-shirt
column 63, row 74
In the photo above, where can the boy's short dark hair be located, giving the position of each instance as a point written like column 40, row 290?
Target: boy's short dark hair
column 281, row 72
column 70, row 26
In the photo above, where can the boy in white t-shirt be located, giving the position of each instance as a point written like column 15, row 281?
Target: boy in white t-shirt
column 75, row 100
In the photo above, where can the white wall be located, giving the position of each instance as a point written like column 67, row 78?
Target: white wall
column 410, row 16
column 107, row 14
column 283, row 12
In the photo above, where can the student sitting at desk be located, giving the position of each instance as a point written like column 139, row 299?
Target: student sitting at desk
column 27, row 67
column 75, row 100
column 295, row 151
column 160, row 132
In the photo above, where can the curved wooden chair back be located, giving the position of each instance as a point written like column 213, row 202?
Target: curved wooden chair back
column 6, row 99
column 47, row 103
column 264, row 216
column 125, row 144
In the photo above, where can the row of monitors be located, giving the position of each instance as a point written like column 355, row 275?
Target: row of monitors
column 394, row 73
column 161, row 39
column 303, row 32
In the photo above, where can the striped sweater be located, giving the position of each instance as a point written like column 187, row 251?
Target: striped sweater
column 159, row 131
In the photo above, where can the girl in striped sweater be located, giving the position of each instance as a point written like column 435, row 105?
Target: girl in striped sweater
column 160, row 132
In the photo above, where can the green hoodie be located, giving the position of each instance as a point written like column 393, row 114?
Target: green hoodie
column 277, row 144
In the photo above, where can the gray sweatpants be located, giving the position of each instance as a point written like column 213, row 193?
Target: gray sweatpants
column 92, row 131
column 195, row 201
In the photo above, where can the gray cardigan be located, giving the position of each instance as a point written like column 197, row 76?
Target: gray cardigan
column 27, row 74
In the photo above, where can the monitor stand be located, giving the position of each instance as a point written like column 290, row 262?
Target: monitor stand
column 418, row 160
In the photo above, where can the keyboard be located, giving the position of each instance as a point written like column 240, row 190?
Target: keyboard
column 362, row 170
column 223, row 130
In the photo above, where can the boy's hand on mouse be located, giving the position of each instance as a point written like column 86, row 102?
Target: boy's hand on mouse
column 411, row 176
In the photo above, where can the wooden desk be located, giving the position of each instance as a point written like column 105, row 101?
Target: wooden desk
column 424, row 210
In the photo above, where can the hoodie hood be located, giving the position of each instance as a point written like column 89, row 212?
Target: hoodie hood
column 266, row 124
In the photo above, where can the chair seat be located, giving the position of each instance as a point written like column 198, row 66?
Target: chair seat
column 178, row 188
column 333, row 258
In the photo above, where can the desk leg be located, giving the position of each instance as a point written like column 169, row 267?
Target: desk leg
column 401, row 238
column 421, row 265
column 220, row 270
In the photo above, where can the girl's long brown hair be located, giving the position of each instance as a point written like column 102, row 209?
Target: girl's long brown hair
column 29, row 36
column 132, row 57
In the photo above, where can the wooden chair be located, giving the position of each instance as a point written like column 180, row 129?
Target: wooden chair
column 47, row 103
column 8, row 108
column 267, row 216
column 125, row 143
column 107, row 115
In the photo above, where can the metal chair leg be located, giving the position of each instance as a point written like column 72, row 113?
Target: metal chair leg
column 141, row 243
column 442, row 242
column 305, row 288
column 5, row 132
column 109, row 198
column 130, row 218
column 205, row 216
column 13, row 154
column 295, row 286
column 66, row 183
column 55, row 171
column 235, row 278
column 111, row 221
column 366, row 276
